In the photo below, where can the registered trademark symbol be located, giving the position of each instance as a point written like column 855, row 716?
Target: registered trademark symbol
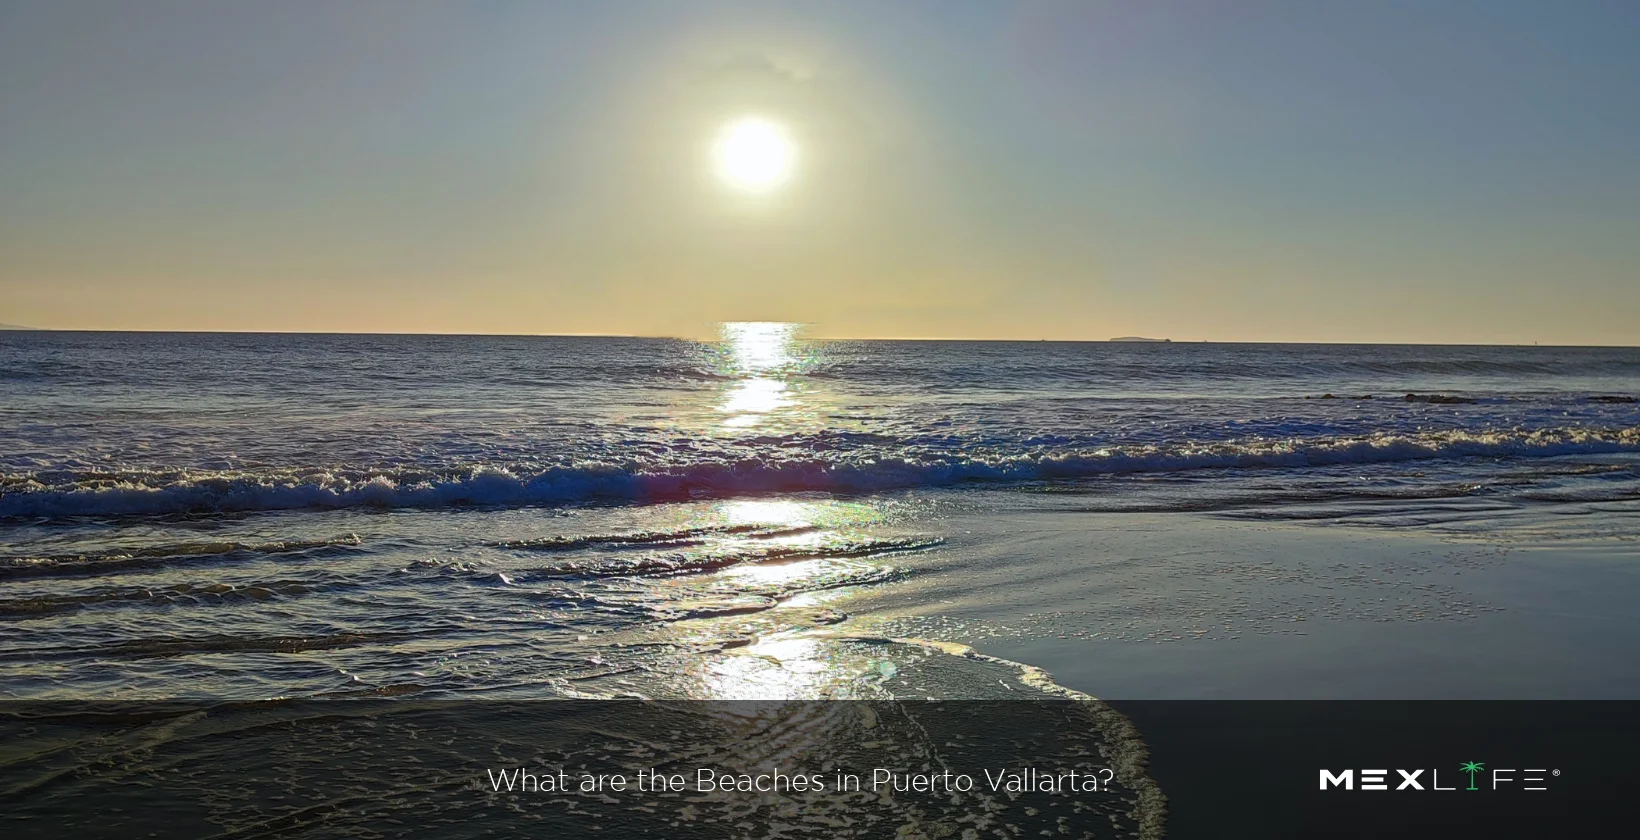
column 1554, row 772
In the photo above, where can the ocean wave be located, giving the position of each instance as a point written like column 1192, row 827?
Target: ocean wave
column 181, row 593
column 154, row 556
column 648, row 539
column 672, row 564
column 165, row 646
column 138, row 493
column 1141, row 365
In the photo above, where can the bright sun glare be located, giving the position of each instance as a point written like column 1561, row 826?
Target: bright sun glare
column 754, row 155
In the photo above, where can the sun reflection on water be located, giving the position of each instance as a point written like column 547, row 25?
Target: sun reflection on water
column 761, row 356
column 786, row 513
column 752, row 397
column 773, row 669
column 757, row 346
column 771, row 622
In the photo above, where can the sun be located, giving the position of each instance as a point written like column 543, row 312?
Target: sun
column 754, row 155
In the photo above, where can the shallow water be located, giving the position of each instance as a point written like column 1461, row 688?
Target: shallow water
column 290, row 515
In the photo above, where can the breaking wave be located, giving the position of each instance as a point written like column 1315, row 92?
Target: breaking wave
column 138, row 493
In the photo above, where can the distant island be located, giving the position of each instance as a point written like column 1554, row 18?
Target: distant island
column 15, row 327
column 1142, row 338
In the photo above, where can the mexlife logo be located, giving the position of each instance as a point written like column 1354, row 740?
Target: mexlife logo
column 1415, row 780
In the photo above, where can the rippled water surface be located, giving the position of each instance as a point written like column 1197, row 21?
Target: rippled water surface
column 299, row 515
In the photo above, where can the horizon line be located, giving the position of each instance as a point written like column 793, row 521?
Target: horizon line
column 1116, row 340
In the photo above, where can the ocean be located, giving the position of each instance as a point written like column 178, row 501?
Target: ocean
column 251, row 516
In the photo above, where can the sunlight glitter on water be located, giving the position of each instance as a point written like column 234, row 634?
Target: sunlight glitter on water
column 788, row 513
column 761, row 356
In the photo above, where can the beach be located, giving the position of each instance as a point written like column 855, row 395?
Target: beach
column 317, row 585
column 244, row 517
column 843, row 421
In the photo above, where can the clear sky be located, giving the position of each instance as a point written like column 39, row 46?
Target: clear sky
column 1306, row 170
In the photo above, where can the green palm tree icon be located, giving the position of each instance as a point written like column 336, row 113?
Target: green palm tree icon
column 1470, row 768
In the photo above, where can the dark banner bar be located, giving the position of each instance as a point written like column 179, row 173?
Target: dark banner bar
column 861, row 769
column 1438, row 769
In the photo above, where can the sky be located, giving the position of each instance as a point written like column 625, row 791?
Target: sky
column 1305, row 170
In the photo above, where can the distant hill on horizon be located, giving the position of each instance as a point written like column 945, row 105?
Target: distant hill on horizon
column 16, row 327
column 1142, row 338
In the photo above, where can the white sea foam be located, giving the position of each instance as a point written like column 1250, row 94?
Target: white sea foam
column 64, row 494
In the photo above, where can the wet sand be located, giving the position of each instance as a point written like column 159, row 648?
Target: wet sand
column 1188, row 606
